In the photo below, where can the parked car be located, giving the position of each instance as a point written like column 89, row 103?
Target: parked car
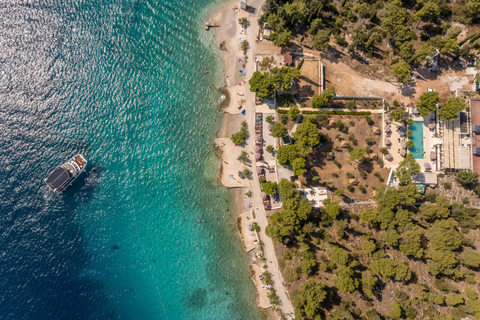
column 430, row 90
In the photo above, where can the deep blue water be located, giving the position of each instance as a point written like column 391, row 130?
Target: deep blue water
column 124, row 83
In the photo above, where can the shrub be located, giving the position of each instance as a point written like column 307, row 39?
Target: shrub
column 447, row 185
column 380, row 162
column 350, row 188
column 316, row 178
column 363, row 174
column 336, row 163
column 471, row 294
column 287, row 256
column 350, row 176
column 270, row 148
column 284, row 118
column 378, row 175
column 370, row 141
column 269, row 119
column 384, row 151
column 368, row 119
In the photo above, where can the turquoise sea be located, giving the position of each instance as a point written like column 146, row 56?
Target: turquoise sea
column 141, row 235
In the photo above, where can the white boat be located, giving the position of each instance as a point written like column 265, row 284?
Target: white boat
column 64, row 175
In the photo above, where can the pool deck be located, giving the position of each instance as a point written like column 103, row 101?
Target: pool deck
column 429, row 144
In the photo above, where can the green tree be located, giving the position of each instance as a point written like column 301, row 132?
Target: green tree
column 428, row 103
column 247, row 173
column 339, row 192
column 309, row 299
column 409, row 144
column 401, row 71
column 282, row 38
column 428, row 12
column 240, row 136
column 439, row 261
column 321, row 40
column 397, row 114
column 470, row 257
column 410, row 244
column 306, row 137
column 395, row 15
column 369, row 247
column 298, row 166
column 333, row 209
column 270, row 148
column 454, row 299
column 436, row 298
column 444, row 236
column 369, row 281
column 261, row 84
column 406, row 169
column 357, row 154
column 269, row 187
column 397, row 311
column 406, row 50
column 339, row 256
column 467, row 177
column 286, row 154
column 278, row 130
column 344, row 280
column 243, row 22
column 319, row 101
column 439, row 210
column 293, row 112
column 316, row 26
column 450, row 109
column 244, row 45
column 391, row 237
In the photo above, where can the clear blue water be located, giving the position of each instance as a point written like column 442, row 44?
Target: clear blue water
column 124, row 83
column 417, row 138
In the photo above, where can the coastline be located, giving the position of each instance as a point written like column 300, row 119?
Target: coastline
column 237, row 93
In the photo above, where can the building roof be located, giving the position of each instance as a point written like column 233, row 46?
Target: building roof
column 287, row 58
column 425, row 178
column 243, row 5
column 286, row 140
column 58, row 178
column 315, row 196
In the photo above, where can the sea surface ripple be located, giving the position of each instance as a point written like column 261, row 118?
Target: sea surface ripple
column 142, row 234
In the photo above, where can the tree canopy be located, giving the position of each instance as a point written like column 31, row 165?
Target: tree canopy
column 321, row 100
column 428, row 103
column 406, row 169
column 298, row 166
column 286, row 154
column 450, row 109
column 278, row 130
column 306, row 137
column 358, row 154
column 309, row 299
column 401, row 71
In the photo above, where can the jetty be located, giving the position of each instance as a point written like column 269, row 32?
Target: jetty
column 209, row 25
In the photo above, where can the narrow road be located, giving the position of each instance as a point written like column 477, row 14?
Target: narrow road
column 285, row 303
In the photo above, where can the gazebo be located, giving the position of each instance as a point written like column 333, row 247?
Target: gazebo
column 257, row 148
column 387, row 141
column 403, row 153
column 433, row 155
column 415, row 110
column 427, row 166
column 389, row 157
column 404, row 145
column 258, row 156
column 259, row 170
column 387, row 129
column 431, row 125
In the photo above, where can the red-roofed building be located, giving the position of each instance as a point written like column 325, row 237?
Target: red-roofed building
column 287, row 59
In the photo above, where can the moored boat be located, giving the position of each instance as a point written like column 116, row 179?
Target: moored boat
column 64, row 175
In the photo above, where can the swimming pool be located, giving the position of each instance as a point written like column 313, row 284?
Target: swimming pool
column 417, row 138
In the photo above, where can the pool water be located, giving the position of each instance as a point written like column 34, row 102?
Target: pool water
column 417, row 138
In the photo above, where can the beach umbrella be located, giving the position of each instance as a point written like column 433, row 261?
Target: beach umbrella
column 257, row 148
column 389, row 157
column 230, row 176
column 387, row 141
column 404, row 144
column 259, row 170
column 249, row 227
column 427, row 166
column 403, row 153
column 433, row 155
column 263, row 195
column 387, row 129
column 431, row 125
column 257, row 156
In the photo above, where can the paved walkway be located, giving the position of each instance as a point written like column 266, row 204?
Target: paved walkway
column 337, row 109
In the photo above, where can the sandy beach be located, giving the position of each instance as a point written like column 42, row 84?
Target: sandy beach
column 241, row 99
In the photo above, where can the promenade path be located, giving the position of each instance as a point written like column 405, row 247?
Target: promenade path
column 251, row 32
